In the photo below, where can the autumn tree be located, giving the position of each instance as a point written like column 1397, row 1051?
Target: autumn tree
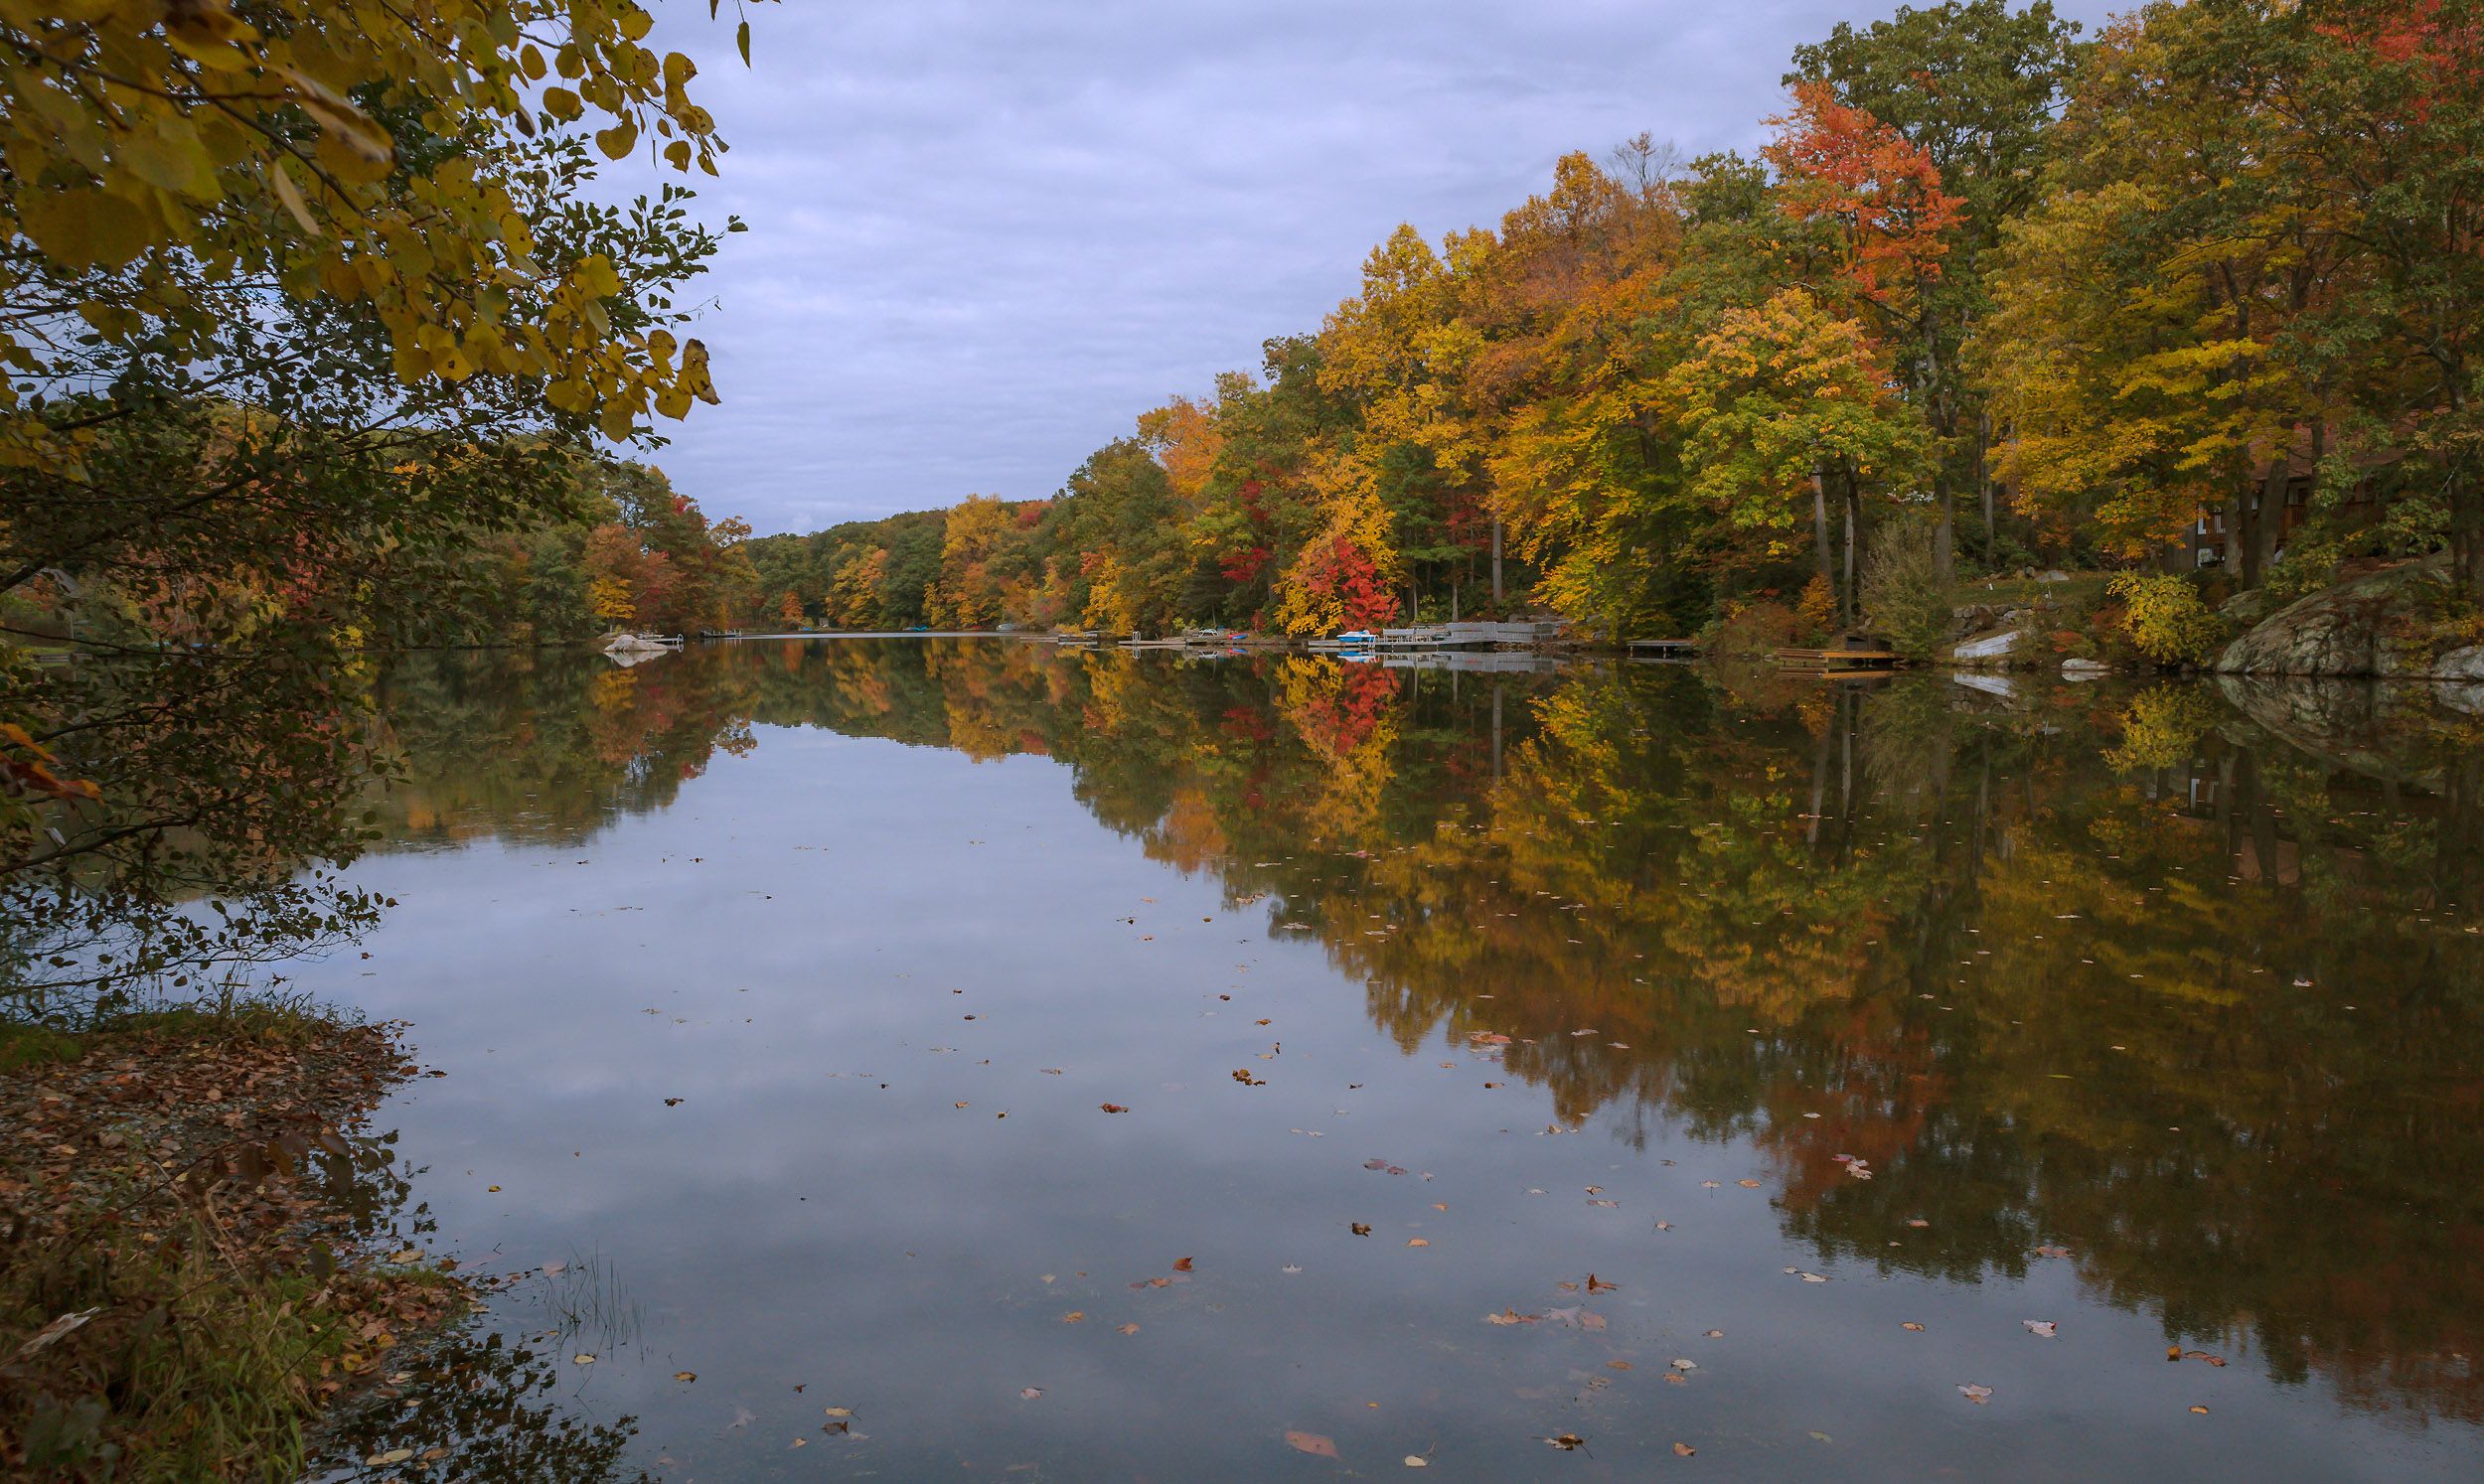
column 1971, row 86
column 299, row 300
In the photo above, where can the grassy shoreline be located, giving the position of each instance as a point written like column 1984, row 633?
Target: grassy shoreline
column 200, row 1256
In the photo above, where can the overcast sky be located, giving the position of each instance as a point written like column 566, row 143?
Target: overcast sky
column 985, row 235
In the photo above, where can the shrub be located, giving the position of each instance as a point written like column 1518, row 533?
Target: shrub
column 2166, row 619
column 1905, row 601
column 1817, row 607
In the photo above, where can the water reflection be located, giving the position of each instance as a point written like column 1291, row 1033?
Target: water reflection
column 2186, row 987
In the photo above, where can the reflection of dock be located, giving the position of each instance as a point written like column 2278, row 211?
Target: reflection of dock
column 1663, row 648
column 1490, row 662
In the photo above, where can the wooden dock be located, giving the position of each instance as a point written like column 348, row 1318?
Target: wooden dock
column 1837, row 662
column 1664, row 649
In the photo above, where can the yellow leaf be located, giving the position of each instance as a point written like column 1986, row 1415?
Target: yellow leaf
column 290, row 196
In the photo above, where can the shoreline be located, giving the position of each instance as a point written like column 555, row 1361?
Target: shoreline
column 204, row 1263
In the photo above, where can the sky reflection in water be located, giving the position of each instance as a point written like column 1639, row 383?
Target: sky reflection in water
column 2107, row 972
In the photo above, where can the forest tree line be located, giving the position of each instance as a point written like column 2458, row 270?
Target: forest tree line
column 1994, row 293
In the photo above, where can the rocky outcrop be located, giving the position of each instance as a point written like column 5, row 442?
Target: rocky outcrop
column 2349, row 630
column 1991, row 650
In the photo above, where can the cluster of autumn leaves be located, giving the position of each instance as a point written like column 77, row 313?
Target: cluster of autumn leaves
column 2008, row 292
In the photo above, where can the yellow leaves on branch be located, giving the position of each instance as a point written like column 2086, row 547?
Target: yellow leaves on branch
column 261, row 147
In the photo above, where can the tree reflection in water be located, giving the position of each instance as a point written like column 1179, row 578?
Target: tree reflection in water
column 2123, row 971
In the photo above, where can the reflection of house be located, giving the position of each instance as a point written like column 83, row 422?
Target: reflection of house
column 2211, row 540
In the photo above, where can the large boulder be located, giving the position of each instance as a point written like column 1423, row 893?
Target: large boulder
column 2461, row 673
column 1990, row 650
column 2344, row 630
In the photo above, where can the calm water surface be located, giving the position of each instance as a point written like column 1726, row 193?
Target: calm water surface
column 780, row 991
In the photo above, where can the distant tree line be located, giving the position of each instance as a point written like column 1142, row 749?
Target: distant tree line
column 1991, row 294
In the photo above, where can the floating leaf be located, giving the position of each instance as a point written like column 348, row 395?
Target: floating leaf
column 1311, row 1443
column 2042, row 1329
column 1182, row 1265
column 685, row 1376
column 1683, row 1450
column 1113, row 1108
column 1978, row 1394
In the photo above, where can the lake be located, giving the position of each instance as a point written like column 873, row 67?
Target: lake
column 965, row 1059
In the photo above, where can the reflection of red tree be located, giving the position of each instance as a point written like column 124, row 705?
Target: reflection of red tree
column 1877, row 1105
column 1343, row 719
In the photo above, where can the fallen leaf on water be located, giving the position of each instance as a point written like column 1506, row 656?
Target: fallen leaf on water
column 1031, row 1393
column 1075, row 1316
column 1916, row 1221
column 1596, row 1284
column 685, row 1376
column 1291, row 1268
column 1973, row 1393
column 1510, row 1316
column 2042, row 1329
column 672, row 1101
column 1823, row 1436
column 1679, row 1364
column 554, row 1270
column 584, row 1359
column 1113, row 1108
column 2052, row 1252
column 1595, row 1190
column 1417, row 1460
column 838, row 1411
column 1440, row 1205
column 1707, row 1185
column 1683, row 1450
column 1311, row 1443
column 961, row 1104
column 1182, row 1265
column 1417, row 1242
column 409, row 1255
column 1592, row 1322
column 1747, row 1184
column 1361, row 1227
column 1911, row 1324
column 1127, row 1329
column 1616, row 1365
column 392, row 1456
column 1813, row 1277
column 1608, row 1204
column 2201, row 1411
column 1715, row 1334
column 1567, row 1287
column 1566, row 1441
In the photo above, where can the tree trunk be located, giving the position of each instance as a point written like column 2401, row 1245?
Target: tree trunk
column 2239, row 547
column 2269, row 529
column 1820, row 530
column 1854, row 522
column 1944, row 539
column 1983, row 482
column 1496, row 611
